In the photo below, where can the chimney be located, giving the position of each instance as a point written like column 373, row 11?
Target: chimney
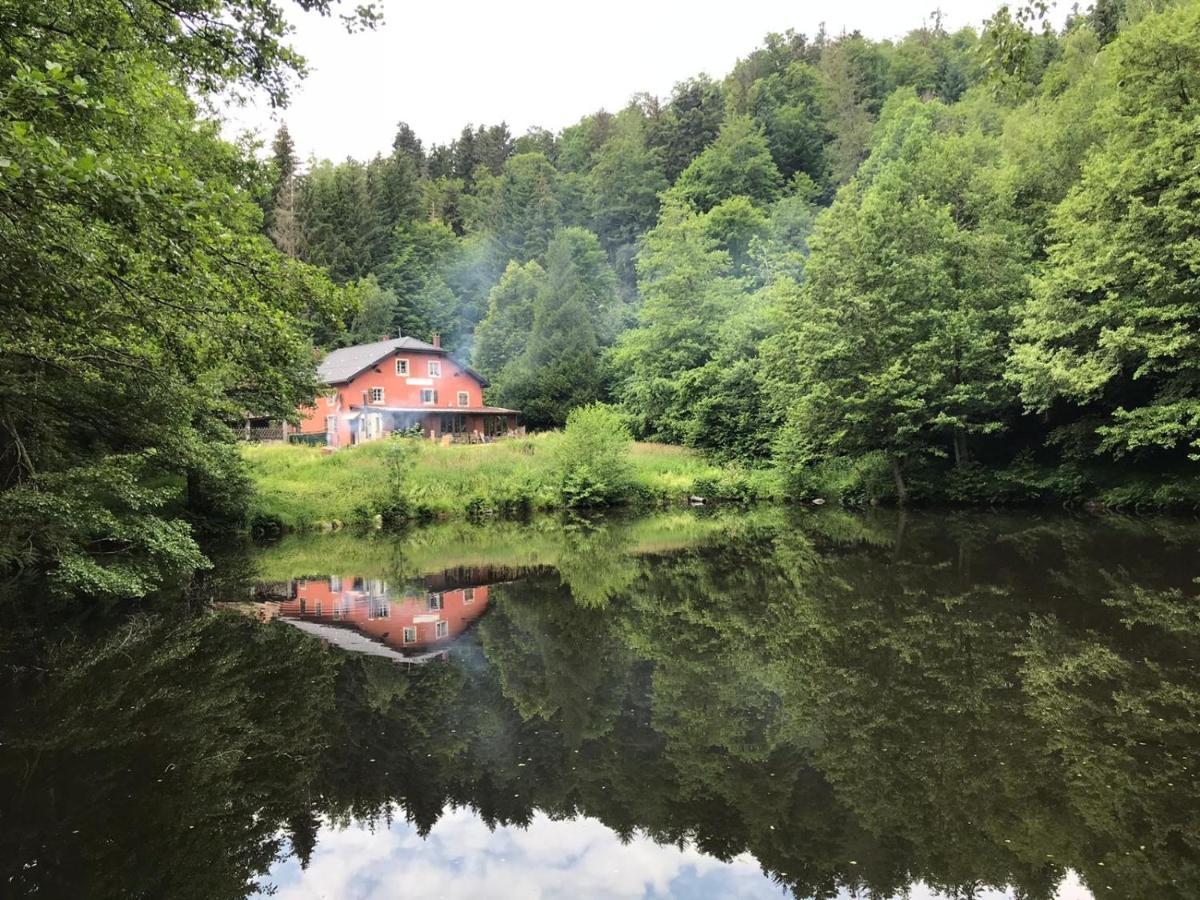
column 437, row 340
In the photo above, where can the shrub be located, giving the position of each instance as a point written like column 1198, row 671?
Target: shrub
column 592, row 460
column 399, row 457
column 842, row 479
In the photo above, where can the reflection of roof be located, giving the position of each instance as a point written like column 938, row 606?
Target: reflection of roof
column 342, row 365
column 346, row 638
column 371, row 407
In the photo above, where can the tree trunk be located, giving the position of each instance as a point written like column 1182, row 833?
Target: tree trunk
column 961, row 455
column 901, row 488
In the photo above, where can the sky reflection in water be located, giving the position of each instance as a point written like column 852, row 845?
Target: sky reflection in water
column 462, row 858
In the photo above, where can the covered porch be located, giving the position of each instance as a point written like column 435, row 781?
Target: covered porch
column 458, row 425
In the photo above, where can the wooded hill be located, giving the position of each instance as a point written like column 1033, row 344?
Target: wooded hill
column 960, row 266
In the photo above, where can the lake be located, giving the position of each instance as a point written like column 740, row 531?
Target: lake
column 712, row 703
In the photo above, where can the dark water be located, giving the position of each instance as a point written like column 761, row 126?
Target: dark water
column 732, row 705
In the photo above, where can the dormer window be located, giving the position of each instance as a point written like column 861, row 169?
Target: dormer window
column 402, row 367
column 464, row 399
column 376, row 395
column 435, row 368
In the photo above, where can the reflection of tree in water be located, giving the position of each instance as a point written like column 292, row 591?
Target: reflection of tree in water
column 911, row 695
column 161, row 759
column 858, row 701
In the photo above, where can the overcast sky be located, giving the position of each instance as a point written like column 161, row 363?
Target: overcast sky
column 440, row 65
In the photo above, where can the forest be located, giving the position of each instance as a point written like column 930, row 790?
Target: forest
column 958, row 267
column 953, row 267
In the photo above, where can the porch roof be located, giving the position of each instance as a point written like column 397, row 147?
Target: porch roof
column 495, row 410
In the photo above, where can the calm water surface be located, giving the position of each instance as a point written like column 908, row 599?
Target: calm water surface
column 733, row 704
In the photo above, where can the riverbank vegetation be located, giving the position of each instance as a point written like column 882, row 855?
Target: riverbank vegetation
column 402, row 480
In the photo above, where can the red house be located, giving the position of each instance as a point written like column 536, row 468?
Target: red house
column 401, row 384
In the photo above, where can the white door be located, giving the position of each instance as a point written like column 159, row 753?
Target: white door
column 374, row 426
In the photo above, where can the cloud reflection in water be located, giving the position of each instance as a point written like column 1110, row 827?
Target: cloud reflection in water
column 579, row 858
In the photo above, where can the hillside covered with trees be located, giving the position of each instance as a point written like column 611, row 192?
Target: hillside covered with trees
column 957, row 266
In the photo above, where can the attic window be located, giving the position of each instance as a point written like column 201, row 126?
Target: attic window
column 402, row 367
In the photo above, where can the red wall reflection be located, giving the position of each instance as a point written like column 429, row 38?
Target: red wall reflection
column 408, row 623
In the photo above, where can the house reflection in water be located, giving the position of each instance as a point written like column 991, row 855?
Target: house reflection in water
column 364, row 615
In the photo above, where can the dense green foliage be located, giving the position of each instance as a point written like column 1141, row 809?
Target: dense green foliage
column 143, row 311
column 998, row 300
column 858, row 701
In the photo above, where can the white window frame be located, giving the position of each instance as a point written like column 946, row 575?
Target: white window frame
column 435, row 602
column 410, row 634
column 468, row 596
column 331, row 424
column 402, row 367
column 464, row 398
column 375, row 399
column 441, row 630
column 434, row 368
column 432, row 401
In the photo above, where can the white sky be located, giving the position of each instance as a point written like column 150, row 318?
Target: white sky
column 440, row 65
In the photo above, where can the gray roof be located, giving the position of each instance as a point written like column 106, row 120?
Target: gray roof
column 342, row 365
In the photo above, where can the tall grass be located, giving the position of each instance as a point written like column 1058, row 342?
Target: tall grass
column 303, row 487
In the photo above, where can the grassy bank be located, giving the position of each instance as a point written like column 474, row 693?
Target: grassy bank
column 301, row 487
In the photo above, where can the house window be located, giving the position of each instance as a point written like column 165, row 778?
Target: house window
column 376, row 395
column 317, row 608
column 335, row 582
column 435, row 368
column 442, row 629
column 331, row 423
column 464, row 399
column 380, row 609
column 410, row 634
column 435, row 602
column 468, row 595
column 402, row 367
column 428, row 395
